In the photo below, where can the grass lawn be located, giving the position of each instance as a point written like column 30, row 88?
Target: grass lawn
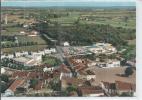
column 12, row 31
column 52, row 61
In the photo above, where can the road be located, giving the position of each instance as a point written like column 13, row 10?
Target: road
column 61, row 54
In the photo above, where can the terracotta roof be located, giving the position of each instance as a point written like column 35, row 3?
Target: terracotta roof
column 80, row 67
column 73, row 81
column 20, row 74
column 16, row 84
column 125, row 86
column 33, row 75
column 64, row 69
column 85, row 90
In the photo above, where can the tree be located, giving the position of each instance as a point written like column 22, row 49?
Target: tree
column 33, row 82
column 4, row 78
column 3, row 87
column 126, row 94
column 71, row 88
column 128, row 71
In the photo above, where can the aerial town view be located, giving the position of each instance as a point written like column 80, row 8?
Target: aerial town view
column 70, row 49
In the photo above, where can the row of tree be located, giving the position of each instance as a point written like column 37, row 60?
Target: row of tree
column 10, row 45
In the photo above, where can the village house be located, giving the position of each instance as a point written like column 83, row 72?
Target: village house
column 65, row 71
column 12, row 89
column 124, row 87
column 23, row 33
column 7, row 56
column 109, row 88
column 66, row 81
column 90, row 91
column 33, row 33
column 87, row 74
column 110, row 63
column 49, row 51
column 66, row 44
column 118, row 88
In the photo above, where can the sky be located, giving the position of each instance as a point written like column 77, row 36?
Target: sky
column 48, row 3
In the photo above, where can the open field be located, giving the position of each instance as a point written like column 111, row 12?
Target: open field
column 110, row 75
column 89, row 21
column 37, row 39
column 115, row 17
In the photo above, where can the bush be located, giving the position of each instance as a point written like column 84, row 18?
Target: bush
column 128, row 71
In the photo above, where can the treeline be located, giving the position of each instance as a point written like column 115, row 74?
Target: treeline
column 10, row 45
column 8, row 38
column 86, row 34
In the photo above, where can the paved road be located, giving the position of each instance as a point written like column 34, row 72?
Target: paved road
column 61, row 54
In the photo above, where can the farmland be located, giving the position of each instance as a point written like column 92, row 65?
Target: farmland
column 73, row 24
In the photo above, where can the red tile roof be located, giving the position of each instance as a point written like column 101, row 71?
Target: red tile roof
column 20, row 74
column 85, row 90
column 124, row 86
column 17, row 83
column 72, row 81
column 64, row 69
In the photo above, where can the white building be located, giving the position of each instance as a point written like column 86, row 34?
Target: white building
column 3, row 70
column 66, row 44
column 109, row 64
column 114, row 63
column 102, row 48
column 49, row 51
column 48, row 69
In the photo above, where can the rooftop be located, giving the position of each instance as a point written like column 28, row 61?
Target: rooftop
column 17, row 83
column 125, row 86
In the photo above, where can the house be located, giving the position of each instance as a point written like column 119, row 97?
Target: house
column 12, row 89
column 3, row 56
column 131, row 63
column 66, row 81
column 65, row 71
column 25, row 25
column 7, row 56
column 49, row 51
column 124, row 87
column 23, row 33
column 109, row 88
column 113, row 63
column 66, row 43
column 91, row 63
column 90, row 91
column 3, row 70
column 88, row 75
column 33, row 33
column 46, row 69
column 110, row 63
column 19, row 74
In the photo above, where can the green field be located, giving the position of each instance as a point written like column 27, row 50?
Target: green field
column 37, row 39
column 91, row 22
column 52, row 61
